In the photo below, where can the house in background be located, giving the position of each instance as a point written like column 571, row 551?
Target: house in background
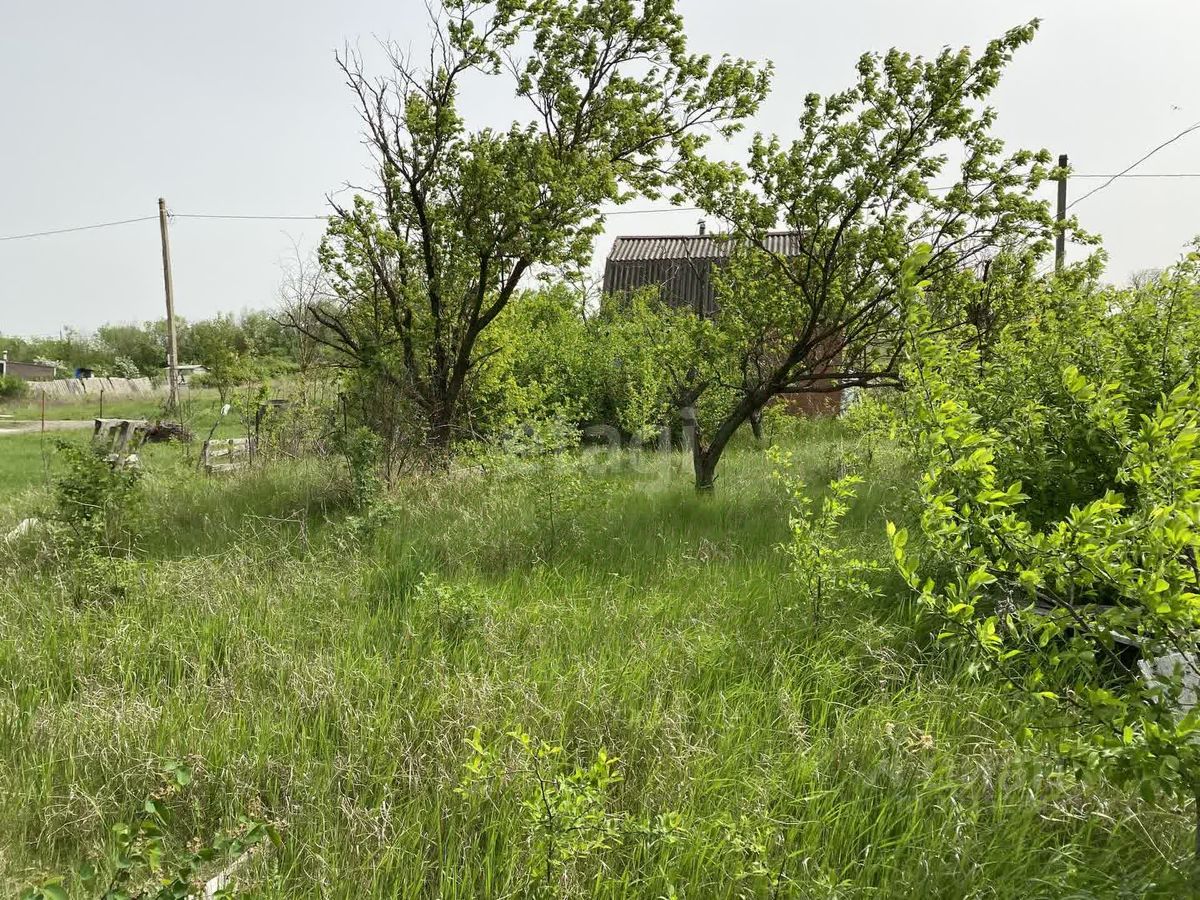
column 187, row 371
column 27, row 371
column 681, row 267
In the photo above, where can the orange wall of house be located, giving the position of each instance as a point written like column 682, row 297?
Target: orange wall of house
column 829, row 404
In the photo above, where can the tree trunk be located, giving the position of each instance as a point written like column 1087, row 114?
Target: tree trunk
column 705, row 466
column 439, row 438
column 705, row 459
column 756, row 424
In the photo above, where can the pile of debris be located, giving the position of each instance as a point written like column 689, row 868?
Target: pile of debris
column 161, row 432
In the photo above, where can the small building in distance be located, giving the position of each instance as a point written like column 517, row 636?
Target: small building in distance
column 188, row 371
column 681, row 267
column 26, row 371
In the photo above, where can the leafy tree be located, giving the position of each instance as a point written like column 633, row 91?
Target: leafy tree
column 1145, row 339
column 1091, row 612
column 124, row 367
column 204, row 341
column 422, row 264
column 12, row 387
column 548, row 360
column 144, row 345
column 542, row 363
column 226, row 370
column 867, row 181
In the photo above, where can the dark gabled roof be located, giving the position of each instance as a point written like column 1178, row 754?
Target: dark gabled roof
column 693, row 246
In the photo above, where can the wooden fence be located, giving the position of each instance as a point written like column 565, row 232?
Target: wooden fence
column 73, row 388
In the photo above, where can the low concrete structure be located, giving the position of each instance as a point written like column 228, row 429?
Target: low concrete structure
column 72, row 388
column 187, row 372
column 26, row 371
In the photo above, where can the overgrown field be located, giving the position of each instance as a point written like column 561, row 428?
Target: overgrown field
column 355, row 679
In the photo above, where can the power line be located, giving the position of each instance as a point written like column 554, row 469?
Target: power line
column 607, row 212
column 34, row 234
column 231, row 216
column 1142, row 174
column 660, row 209
column 1129, row 168
column 1126, row 173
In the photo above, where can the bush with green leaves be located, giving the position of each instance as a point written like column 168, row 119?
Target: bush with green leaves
column 542, row 459
column 551, row 359
column 542, row 362
column 564, row 807
column 1145, row 338
column 91, row 493
column 124, row 367
column 12, row 387
column 1091, row 613
column 362, row 448
column 142, row 862
column 826, row 570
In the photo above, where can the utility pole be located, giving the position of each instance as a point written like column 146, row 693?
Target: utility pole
column 1060, row 247
column 172, row 350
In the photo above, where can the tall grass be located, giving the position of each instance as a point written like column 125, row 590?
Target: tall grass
column 325, row 669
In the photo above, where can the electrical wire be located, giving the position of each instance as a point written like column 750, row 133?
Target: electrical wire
column 606, row 212
column 223, row 216
column 1141, row 175
column 1124, row 172
column 34, row 234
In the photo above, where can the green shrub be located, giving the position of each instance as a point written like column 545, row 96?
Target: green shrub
column 1146, row 339
column 91, row 493
column 12, row 387
column 551, row 359
column 144, row 861
column 1060, row 603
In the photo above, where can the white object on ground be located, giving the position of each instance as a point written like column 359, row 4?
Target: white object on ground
column 1163, row 671
column 222, row 879
column 25, row 528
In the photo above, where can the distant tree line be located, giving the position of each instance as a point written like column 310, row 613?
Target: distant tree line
column 253, row 342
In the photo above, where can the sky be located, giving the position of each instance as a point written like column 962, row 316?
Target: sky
column 238, row 108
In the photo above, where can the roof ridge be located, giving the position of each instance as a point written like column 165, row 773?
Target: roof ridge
column 695, row 236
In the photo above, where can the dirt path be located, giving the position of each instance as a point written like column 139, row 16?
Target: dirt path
column 14, row 427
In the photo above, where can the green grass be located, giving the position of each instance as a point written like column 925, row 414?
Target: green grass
column 327, row 674
column 144, row 407
column 26, row 459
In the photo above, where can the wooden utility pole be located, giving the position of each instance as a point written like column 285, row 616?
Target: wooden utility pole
column 172, row 349
column 1060, row 247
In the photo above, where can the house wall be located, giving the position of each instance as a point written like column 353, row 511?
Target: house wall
column 685, row 283
column 28, row 371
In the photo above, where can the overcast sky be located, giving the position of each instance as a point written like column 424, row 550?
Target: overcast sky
column 237, row 108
